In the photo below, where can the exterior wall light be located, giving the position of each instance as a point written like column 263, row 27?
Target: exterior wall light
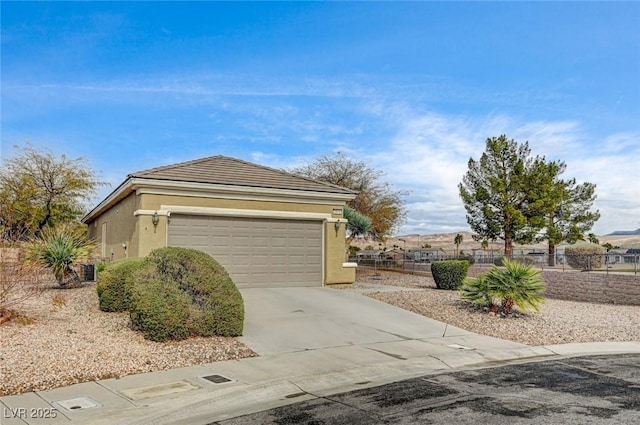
column 155, row 218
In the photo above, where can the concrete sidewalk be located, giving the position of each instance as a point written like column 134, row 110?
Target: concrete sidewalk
column 312, row 342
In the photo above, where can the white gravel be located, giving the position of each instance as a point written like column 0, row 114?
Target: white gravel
column 558, row 322
column 51, row 345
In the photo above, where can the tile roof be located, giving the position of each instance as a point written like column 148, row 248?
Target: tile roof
column 231, row 171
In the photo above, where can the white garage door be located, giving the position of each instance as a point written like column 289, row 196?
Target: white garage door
column 255, row 251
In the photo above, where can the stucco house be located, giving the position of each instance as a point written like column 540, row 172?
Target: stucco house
column 266, row 226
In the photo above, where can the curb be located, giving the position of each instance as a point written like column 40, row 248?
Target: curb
column 242, row 399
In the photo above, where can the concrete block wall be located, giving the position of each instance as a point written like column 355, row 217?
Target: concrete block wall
column 607, row 288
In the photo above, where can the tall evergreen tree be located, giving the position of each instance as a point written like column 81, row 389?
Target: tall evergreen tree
column 496, row 192
column 510, row 196
column 571, row 216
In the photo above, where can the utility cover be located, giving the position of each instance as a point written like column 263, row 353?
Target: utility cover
column 78, row 403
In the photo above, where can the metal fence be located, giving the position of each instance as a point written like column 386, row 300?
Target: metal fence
column 601, row 263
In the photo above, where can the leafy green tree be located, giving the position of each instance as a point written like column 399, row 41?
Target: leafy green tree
column 376, row 199
column 496, row 192
column 457, row 240
column 501, row 289
column 38, row 189
column 57, row 248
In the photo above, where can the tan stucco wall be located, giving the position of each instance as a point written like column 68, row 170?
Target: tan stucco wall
column 153, row 202
column 141, row 236
column 121, row 226
column 335, row 254
column 150, row 236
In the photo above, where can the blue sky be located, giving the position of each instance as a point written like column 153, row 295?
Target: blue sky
column 413, row 88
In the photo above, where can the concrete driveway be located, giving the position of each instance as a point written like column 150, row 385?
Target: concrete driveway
column 286, row 320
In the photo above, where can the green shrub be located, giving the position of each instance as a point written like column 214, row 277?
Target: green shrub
column 160, row 310
column 585, row 256
column 501, row 288
column 449, row 274
column 216, row 306
column 114, row 284
column 100, row 267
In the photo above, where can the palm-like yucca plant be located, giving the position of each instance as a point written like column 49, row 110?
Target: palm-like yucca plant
column 518, row 284
column 57, row 248
column 477, row 290
column 358, row 224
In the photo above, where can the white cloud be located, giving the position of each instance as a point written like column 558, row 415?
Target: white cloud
column 429, row 153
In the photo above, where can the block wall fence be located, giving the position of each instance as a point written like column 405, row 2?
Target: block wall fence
column 606, row 288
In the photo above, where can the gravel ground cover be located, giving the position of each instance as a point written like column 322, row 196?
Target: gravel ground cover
column 62, row 338
column 58, row 343
column 558, row 322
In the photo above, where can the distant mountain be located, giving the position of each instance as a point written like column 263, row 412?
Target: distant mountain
column 625, row 233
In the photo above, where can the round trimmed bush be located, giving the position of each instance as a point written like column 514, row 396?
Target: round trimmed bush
column 449, row 274
column 585, row 256
column 160, row 310
column 114, row 284
column 216, row 306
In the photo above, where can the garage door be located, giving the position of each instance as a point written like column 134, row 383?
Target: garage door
column 255, row 251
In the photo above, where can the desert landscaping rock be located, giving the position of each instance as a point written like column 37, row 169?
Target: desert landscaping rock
column 49, row 345
column 52, row 344
column 558, row 322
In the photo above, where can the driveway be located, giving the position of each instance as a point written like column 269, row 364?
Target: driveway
column 286, row 320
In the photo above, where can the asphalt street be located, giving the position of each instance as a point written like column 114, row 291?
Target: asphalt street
column 580, row 390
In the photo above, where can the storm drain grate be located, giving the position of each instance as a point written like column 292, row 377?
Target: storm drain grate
column 78, row 403
column 217, row 379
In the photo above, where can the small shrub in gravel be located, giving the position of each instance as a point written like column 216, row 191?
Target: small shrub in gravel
column 114, row 284
column 502, row 288
column 449, row 274
column 160, row 310
column 585, row 256
column 216, row 306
